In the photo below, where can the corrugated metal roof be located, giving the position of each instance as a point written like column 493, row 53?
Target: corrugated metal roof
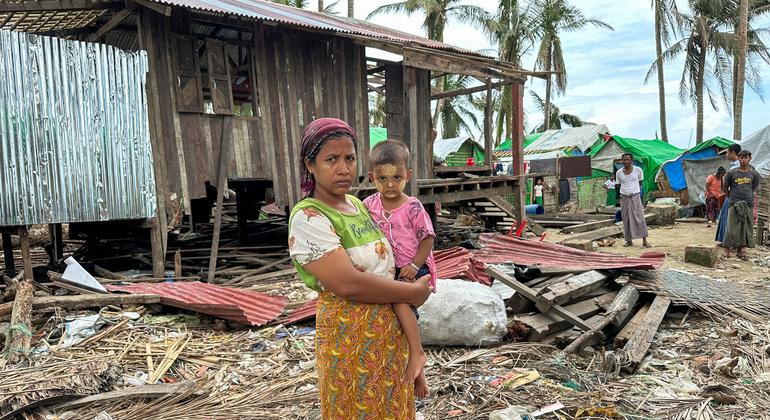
column 304, row 312
column 498, row 249
column 75, row 134
column 459, row 263
column 243, row 306
column 264, row 10
column 443, row 147
column 566, row 138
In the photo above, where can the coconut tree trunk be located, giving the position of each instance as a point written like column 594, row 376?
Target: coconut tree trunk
column 351, row 6
column 740, row 71
column 320, row 5
column 699, row 96
column 548, row 84
column 661, row 79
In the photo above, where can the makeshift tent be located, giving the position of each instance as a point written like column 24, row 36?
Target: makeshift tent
column 650, row 154
column 674, row 169
column 573, row 138
column 759, row 145
column 504, row 149
column 696, row 171
column 377, row 134
column 456, row 151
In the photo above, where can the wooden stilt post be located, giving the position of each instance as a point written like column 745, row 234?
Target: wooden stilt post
column 10, row 268
column 57, row 245
column 517, row 149
column 19, row 338
column 224, row 153
column 156, row 248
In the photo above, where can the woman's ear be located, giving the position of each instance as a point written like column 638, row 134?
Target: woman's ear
column 309, row 165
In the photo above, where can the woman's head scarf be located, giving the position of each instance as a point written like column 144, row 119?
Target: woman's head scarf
column 317, row 133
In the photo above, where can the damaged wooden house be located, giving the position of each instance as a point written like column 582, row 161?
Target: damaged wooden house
column 231, row 85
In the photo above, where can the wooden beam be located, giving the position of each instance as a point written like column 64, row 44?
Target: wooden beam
column 627, row 296
column 84, row 301
column 489, row 141
column 58, row 5
column 531, row 295
column 628, row 331
column 640, row 342
column 155, row 7
column 585, row 227
column 589, row 336
column 7, row 19
column 467, row 91
column 18, row 341
column 224, row 155
column 570, row 289
column 542, row 325
column 597, row 234
column 517, row 148
column 111, row 24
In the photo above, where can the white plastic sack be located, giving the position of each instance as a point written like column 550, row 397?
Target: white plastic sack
column 463, row 313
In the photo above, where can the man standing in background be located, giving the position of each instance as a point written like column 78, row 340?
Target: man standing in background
column 732, row 154
column 628, row 182
column 740, row 185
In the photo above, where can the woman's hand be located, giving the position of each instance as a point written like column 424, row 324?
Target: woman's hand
column 422, row 290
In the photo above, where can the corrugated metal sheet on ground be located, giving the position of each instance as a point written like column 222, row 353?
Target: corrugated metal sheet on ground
column 243, row 306
column 74, row 131
column 459, row 263
column 304, row 312
column 264, row 10
column 497, row 249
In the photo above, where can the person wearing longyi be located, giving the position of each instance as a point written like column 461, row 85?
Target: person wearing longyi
column 628, row 182
column 337, row 249
column 740, row 185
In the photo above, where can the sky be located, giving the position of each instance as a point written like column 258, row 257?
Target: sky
column 605, row 71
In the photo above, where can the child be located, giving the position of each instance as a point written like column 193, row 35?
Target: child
column 408, row 227
column 612, row 198
column 537, row 192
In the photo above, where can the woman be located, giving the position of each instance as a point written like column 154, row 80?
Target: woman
column 361, row 352
column 713, row 192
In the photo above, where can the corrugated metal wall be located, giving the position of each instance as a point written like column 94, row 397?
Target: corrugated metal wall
column 74, row 131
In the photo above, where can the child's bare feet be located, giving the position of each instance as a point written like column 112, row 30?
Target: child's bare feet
column 414, row 366
column 421, row 386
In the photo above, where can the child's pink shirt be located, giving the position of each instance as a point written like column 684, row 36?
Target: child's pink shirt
column 405, row 227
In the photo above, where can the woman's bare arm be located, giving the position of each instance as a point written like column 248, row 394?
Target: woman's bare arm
column 337, row 274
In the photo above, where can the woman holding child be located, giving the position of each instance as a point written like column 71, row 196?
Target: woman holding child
column 362, row 352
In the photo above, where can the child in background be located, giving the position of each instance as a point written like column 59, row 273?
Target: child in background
column 537, row 192
column 409, row 229
column 612, row 198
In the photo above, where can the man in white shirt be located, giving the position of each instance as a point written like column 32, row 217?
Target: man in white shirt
column 628, row 180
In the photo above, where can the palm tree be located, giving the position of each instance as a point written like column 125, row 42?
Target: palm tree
column 708, row 44
column 294, row 3
column 557, row 118
column 511, row 29
column 351, row 7
column 663, row 28
column 459, row 113
column 320, row 5
column 437, row 14
column 740, row 68
column 555, row 17
column 377, row 114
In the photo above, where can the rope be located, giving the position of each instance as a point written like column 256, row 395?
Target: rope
column 22, row 328
column 617, row 361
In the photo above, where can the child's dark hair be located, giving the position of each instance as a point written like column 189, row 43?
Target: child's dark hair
column 391, row 152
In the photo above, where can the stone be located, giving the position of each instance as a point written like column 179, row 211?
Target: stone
column 463, row 313
column 705, row 255
column 581, row 244
column 666, row 214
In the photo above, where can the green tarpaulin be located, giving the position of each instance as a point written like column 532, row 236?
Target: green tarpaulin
column 717, row 141
column 506, row 145
column 377, row 134
column 650, row 154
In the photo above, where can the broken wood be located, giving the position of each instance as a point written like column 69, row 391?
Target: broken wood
column 596, row 334
column 145, row 392
column 572, row 287
column 585, row 227
column 84, row 301
column 541, row 325
column 625, row 334
column 20, row 333
column 531, row 295
column 637, row 346
column 63, row 283
column 224, row 156
column 597, row 234
column 628, row 296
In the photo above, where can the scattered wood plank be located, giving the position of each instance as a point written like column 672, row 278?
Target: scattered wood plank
column 596, row 333
column 628, row 296
column 625, row 334
column 144, row 392
column 597, row 234
column 531, row 295
column 274, row 274
column 84, row 301
column 639, row 343
column 541, row 325
column 570, row 288
column 585, row 227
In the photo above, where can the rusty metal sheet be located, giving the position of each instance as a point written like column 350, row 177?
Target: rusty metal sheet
column 498, row 249
column 304, row 312
column 264, row 10
column 459, row 263
column 238, row 305
column 74, row 131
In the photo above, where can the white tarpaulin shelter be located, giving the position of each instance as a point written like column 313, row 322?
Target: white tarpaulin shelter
column 759, row 145
column 567, row 138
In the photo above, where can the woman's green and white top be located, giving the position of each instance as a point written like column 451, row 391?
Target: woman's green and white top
column 316, row 229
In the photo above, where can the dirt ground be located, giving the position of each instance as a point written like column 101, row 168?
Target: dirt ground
column 672, row 241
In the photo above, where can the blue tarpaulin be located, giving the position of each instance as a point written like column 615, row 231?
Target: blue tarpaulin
column 675, row 171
